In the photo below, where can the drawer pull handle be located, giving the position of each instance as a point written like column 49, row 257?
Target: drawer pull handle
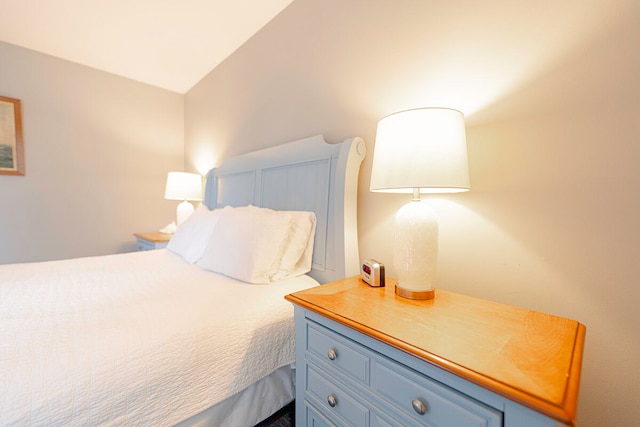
column 331, row 354
column 419, row 407
column 332, row 401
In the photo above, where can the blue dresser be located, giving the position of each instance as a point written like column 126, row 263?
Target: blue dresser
column 152, row 240
column 366, row 357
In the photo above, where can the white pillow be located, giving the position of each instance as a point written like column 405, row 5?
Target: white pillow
column 191, row 238
column 298, row 253
column 247, row 244
column 298, row 249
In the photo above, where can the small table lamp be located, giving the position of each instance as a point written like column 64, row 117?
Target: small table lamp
column 419, row 151
column 183, row 186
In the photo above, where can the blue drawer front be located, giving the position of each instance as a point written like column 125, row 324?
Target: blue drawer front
column 315, row 419
column 444, row 407
column 319, row 391
column 349, row 359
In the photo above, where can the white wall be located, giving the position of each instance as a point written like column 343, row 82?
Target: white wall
column 551, row 94
column 97, row 151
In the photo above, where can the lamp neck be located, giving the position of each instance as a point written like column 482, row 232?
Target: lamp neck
column 416, row 195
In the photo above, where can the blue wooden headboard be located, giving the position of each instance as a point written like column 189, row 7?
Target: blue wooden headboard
column 306, row 175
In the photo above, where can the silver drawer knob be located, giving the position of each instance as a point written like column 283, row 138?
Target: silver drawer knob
column 331, row 354
column 419, row 407
column 332, row 401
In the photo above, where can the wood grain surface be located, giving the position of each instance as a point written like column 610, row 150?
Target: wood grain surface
column 529, row 357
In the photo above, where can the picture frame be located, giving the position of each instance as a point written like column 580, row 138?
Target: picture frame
column 11, row 142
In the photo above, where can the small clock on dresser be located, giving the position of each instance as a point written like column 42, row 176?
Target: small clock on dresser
column 367, row 357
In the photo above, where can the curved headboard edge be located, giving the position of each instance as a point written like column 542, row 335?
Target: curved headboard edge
column 351, row 156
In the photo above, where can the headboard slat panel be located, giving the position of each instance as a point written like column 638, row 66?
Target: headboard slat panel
column 309, row 175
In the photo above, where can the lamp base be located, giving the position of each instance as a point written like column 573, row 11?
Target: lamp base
column 184, row 210
column 411, row 294
column 415, row 255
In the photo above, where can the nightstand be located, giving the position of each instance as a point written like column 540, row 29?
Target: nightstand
column 152, row 240
column 366, row 357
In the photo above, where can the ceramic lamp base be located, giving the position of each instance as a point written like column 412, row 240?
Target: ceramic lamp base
column 184, row 210
column 409, row 294
column 415, row 256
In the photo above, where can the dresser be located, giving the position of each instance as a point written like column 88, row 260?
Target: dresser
column 366, row 357
column 152, row 240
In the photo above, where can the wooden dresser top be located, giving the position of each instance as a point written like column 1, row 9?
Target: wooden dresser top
column 154, row 236
column 526, row 356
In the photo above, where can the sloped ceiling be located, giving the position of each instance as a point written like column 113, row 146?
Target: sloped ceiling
column 170, row 44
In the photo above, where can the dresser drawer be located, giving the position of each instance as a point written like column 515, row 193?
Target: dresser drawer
column 377, row 421
column 344, row 356
column 332, row 399
column 145, row 245
column 428, row 401
column 314, row 418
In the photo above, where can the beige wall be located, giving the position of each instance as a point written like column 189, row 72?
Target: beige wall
column 551, row 94
column 98, row 148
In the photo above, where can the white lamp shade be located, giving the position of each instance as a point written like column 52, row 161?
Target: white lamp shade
column 423, row 148
column 183, row 186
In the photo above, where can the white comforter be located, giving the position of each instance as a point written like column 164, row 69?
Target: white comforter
column 137, row 339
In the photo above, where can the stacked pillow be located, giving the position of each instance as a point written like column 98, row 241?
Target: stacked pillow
column 251, row 244
column 191, row 238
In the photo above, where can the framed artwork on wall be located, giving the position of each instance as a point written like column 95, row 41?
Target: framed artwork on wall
column 11, row 143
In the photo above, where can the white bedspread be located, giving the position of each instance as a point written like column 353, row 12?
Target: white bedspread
column 133, row 339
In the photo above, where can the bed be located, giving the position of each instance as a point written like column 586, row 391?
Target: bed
column 169, row 337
